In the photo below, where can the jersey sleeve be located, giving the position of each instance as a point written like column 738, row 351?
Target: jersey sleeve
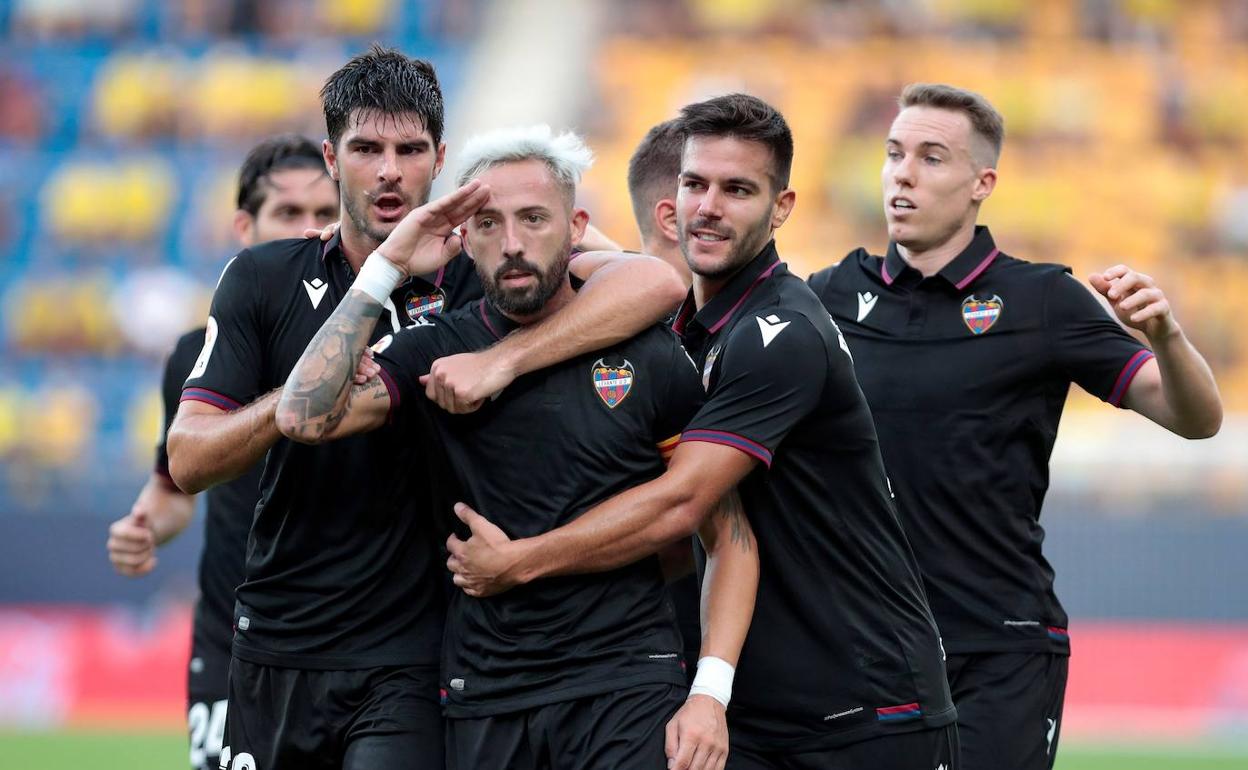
column 772, row 375
column 1089, row 344
column 177, row 368
column 407, row 355
column 680, row 398
column 227, row 373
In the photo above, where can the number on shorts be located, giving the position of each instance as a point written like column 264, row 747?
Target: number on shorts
column 243, row 761
column 207, row 728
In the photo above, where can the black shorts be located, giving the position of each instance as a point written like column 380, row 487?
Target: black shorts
column 207, row 683
column 1009, row 708
column 368, row 719
column 935, row 749
column 621, row 730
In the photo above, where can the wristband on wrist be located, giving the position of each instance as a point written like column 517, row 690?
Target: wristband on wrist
column 714, row 678
column 378, row 277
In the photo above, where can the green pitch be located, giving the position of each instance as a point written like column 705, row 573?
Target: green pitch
column 167, row 751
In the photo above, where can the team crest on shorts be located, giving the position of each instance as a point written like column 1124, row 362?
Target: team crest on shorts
column 420, row 305
column 980, row 314
column 612, row 382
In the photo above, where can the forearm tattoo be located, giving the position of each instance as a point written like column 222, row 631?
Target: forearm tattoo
column 318, row 393
column 730, row 509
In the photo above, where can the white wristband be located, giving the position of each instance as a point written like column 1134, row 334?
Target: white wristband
column 714, row 678
column 378, row 277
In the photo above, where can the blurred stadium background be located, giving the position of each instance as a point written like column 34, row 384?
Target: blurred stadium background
column 122, row 122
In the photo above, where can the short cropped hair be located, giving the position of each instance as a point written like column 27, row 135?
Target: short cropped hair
column 653, row 171
column 382, row 81
column 986, row 122
column 566, row 155
column 744, row 117
column 277, row 153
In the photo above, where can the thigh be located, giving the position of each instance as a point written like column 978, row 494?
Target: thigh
column 1009, row 709
column 207, row 691
column 489, row 743
column 934, row 749
column 622, row 730
column 740, row 758
column 396, row 720
column 276, row 718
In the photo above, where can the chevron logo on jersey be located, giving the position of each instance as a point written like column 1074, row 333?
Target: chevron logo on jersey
column 612, row 383
column 420, row 305
column 980, row 314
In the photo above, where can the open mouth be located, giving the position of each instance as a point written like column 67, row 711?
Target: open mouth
column 708, row 236
column 901, row 204
column 388, row 205
column 515, row 276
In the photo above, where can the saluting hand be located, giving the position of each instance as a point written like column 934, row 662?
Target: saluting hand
column 425, row 239
column 697, row 737
column 481, row 562
column 461, row 383
column 1136, row 300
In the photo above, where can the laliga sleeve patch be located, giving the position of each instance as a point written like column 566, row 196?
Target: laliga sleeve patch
column 210, row 339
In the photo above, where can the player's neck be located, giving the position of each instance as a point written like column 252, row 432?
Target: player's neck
column 669, row 252
column 931, row 261
column 356, row 246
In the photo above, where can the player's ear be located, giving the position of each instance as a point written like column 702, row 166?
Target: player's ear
column 437, row 165
column 578, row 223
column 244, row 227
column 665, row 219
column 331, row 159
column 784, row 203
column 985, row 183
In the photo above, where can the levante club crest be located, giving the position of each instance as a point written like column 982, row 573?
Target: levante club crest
column 420, row 305
column 612, row 382
column 980, row 314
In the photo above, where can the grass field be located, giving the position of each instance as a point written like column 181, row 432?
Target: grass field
column 165, row 751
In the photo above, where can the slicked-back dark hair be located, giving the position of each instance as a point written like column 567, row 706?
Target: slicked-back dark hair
column 382, row 81
column 277, row 153
column 744, row 117
column 654, row 170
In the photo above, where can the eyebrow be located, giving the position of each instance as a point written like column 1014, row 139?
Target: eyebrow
column 922, row 145
column 493, row 212
column 739, row 181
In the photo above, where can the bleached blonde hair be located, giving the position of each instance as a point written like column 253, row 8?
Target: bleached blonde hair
column 566, row 155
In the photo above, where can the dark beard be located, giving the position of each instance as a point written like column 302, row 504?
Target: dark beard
column 529, row 301
column 745, row 249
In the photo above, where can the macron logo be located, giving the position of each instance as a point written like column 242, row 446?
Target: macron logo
column 316, row 291
column 866, row 303
column 770, row 327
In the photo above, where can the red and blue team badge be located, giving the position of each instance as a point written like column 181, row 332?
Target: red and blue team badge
column 980, row 314
column 420, row 305
column 612, row 382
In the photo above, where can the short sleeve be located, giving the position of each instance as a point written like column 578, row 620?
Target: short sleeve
column 1090, row 346
column 177, row 368
column 407, row 355
column 227, row 373
column 772, row 372
column 681, row 398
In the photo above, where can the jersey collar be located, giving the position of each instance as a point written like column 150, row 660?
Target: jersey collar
column 960, row 272
column 498, row 324
column 720, row 310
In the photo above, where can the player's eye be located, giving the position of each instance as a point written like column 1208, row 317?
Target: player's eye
column 933, row 160
column 532, row 219
column 691, row 184
column 893, row 155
